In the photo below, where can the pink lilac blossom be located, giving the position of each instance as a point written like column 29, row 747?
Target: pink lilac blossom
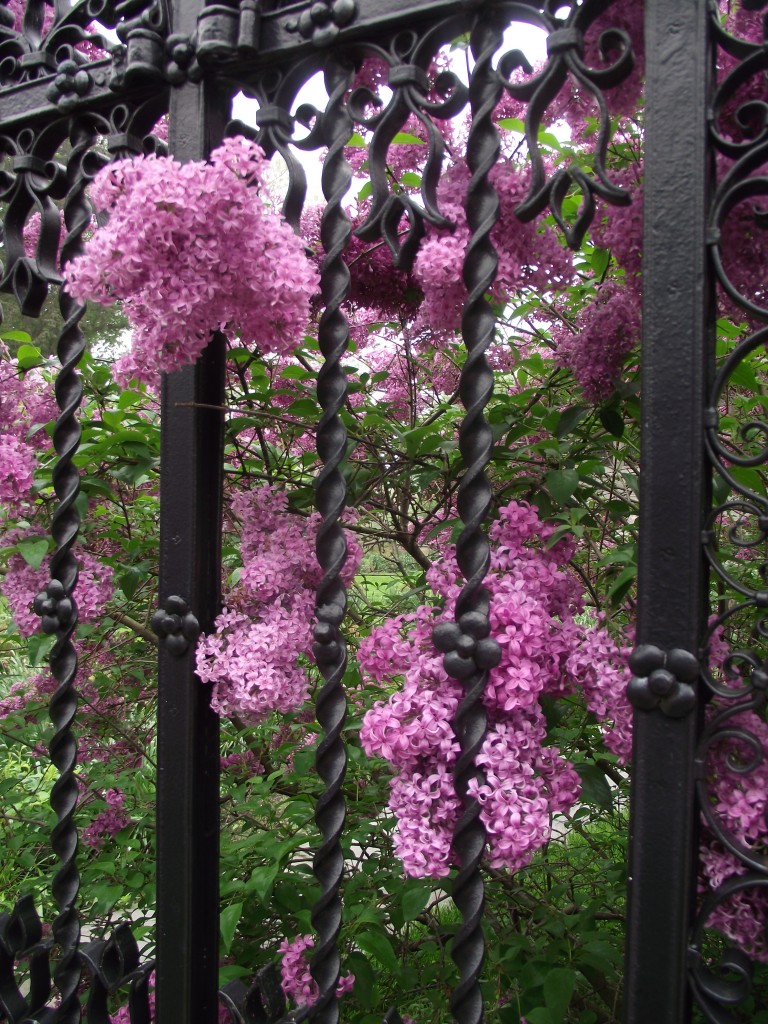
column 296, row 980
column 533, row 604
column 575, row 103
column 597, row 346
column 418, row 374
column 31, row 235
column 26, row 403
column 17, row 471
column 245, row 763
column 107, row 824
column 738, row 801
column 530, row 256
column 375, row 283
column 621, row 227
column 256, row 659
column 193, row 248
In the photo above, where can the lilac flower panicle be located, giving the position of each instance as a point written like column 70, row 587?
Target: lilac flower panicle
column 534, row 601
column 296, row 981
column 194, row 248
column 256, row 658
column 107, row 824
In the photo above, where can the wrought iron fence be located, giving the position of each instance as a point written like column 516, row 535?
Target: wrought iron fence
column 64, row 85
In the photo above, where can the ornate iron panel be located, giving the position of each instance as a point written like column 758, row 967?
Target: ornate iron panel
column 62, row 88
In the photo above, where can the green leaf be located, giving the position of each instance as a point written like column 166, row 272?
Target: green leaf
column 106, row 897
column 550, row 140
column 229, row 919
column 410, row 178
column 378, row 945
column 262, row 881
column 39, row 647
column 558, row 990
column 561, row 483
column 406, row 139
column 414, row 901
column 512, row 124
column 539, row 1016
column 744, row 376
column 365, row 192
column 297, row 373
column 303, row 407
column 613, row 421
column 357, row 141
column 599, row 260
column 365, row 979
column 33, row 551
column 570, row 418
column 15, row 336
column 594, row 786
column 28, row 355
column 622, row 583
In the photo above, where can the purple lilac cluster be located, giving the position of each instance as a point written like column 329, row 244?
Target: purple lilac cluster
column 107, row 824
column 534, row 601
column 256, row 659
column 194, row 248
column 26, row 403
column 297, row 982
column 738, row 793
column 530, row 256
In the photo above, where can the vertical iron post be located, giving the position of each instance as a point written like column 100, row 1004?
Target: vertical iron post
column 190, row 569
column 674, row 489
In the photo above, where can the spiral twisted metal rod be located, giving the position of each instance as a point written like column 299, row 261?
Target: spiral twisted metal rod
column 64, row 572
column 330, row 494
column 474, row 500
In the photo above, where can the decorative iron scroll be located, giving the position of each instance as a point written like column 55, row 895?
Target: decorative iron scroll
column 732, row 744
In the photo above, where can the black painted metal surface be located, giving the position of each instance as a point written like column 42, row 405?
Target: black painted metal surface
column 191, row 59
column 673, row 492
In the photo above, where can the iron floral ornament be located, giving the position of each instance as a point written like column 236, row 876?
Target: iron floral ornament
column 663, row 679
column 175, row 625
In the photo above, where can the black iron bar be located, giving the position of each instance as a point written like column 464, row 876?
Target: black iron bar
column 673, row 493
column 190, row 569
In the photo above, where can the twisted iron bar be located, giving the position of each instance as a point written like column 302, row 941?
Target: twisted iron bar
column 474, row 500
column 330, row 493
column 64, row 569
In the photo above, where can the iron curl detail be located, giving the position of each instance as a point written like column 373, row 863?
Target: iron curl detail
column 415, row 94
column 31, row 187
column 722, row 985
column 566, row 61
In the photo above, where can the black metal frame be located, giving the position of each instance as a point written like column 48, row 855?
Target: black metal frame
column 190, row 60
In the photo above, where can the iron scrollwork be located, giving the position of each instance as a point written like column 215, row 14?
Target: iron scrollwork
column 732, row 749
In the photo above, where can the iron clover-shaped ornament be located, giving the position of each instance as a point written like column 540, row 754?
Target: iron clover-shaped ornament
column 55, row 607
column 466, row 644
column 175, row 625
column 663, row 679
